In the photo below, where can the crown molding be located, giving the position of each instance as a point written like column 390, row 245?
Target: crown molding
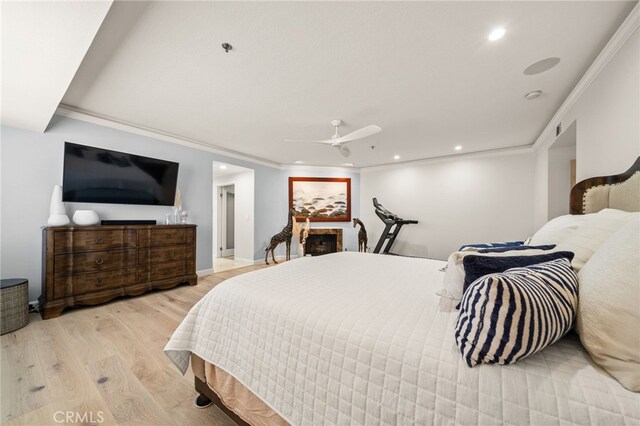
column 525, row 149
column 89, row 117
column 630, row 24
column 319, row 169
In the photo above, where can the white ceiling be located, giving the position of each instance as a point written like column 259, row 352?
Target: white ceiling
column 423, row 71
column 43, row 44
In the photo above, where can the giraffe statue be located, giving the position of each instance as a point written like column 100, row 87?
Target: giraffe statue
column 283, row 236
column 362, row 235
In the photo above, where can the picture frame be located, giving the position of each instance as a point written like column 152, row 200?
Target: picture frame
column 320, row 199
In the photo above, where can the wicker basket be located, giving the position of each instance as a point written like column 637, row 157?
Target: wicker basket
column 14, row 304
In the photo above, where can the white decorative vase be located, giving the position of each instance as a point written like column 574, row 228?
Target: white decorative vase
column 85, row 217
column 57, row 213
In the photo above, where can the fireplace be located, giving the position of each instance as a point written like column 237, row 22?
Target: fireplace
column 323, row 241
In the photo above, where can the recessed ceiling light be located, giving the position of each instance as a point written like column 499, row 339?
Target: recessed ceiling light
column 533, row 95
column 222, row 167
column 299, row 161
column 348, row 164
column 497, row 34
column 457, row 147
column 396, row 157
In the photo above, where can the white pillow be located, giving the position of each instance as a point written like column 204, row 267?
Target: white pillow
column 608, row 314
column 595, row 230
column 557, row 229
column 453, row 282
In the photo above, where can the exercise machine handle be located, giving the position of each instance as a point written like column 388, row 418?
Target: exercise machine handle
column 391, row 221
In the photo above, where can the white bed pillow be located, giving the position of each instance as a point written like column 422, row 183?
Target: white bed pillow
column 608, row 317
column 595, row 230
column 453, row 282
column 558, row 229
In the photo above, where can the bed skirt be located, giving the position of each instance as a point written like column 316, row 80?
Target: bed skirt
column 234, row 395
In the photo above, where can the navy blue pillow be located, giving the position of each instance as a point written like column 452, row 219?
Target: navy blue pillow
column 478, row 266
column 516, row 248
column 494, row 245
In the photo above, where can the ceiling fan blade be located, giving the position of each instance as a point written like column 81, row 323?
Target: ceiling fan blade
column 369, row 130
column 327, row 141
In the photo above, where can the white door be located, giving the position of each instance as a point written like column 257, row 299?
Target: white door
column 226, row 221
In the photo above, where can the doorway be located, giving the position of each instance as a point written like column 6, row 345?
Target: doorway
column 561, row 172
column 233, row 216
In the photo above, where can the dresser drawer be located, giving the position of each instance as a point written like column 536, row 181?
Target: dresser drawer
column 88, row 283
column 164, row 254
column 94, row 261
column 66, row 242
column 164, row 237
column 159, row 272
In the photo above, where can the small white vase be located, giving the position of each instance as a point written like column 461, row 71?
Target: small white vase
column 58, row 220
column 57, row 213
column 85, row 217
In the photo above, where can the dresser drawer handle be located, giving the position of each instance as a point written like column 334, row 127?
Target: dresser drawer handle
column 99, row 282
column 99, row 240
column 99, row 261
column 168, row 270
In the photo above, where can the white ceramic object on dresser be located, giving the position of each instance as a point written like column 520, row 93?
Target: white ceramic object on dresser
column 57, row 213
column 85, row 217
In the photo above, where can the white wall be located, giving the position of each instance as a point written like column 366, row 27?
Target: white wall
column 31, row 164
column 244, row 212
column 607, row 117
column 456, row 201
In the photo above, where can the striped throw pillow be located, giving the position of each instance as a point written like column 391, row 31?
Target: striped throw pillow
column 508, row 316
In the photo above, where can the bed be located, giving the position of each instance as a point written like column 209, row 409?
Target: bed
column 357, row 338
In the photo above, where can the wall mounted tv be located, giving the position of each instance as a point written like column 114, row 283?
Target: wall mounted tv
column 97, row 175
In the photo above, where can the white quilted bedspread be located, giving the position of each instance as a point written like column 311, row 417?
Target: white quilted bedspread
column 355, row 338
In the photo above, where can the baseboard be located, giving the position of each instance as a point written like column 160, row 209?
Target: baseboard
column 242, row 260
column 204, row 272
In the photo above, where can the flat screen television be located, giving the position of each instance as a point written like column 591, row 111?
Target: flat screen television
column 97, row 175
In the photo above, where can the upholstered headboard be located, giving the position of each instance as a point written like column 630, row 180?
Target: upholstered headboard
column 621, row 192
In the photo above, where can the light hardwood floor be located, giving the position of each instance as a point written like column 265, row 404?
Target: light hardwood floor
column 105, row 364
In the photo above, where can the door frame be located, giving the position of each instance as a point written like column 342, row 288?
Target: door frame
column 244, row 181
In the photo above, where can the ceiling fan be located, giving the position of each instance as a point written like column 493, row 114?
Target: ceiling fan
column 339, row 142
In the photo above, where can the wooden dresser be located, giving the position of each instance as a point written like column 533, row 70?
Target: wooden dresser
column 88, row 265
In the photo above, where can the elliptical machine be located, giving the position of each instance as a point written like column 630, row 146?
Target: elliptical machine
column 390, row 220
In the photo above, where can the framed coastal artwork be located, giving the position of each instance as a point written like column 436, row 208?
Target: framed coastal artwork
column 320, row 199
